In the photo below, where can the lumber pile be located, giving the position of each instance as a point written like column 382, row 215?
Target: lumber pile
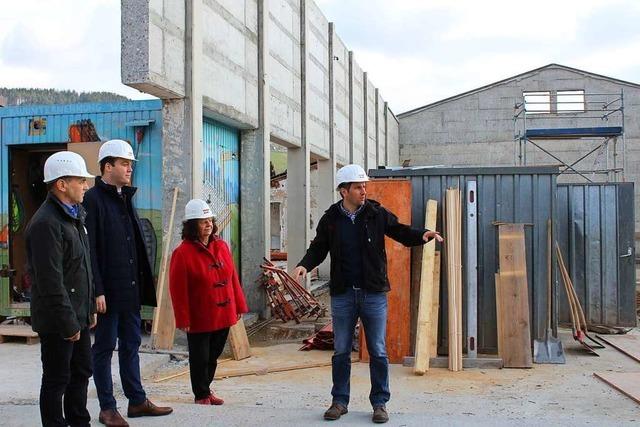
column 288, row 300
column 453, row 221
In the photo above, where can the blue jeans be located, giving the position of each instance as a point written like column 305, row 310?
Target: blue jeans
column 371, row 308
column 125, row 327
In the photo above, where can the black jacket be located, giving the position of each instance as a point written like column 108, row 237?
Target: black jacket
column 62, row 295
column 377, row 222
column 121, row 266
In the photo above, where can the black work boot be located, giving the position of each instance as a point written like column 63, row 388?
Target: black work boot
column 335, row 411
column 380, row 415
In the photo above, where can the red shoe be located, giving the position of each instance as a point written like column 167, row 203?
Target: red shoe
column 215, row 400
column 205, row 401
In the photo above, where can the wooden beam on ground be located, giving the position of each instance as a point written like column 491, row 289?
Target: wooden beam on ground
column 627, row 383
column 238, row 341
column 514, row 297
column 626, row 344
column 425, row 303
column 164, row 324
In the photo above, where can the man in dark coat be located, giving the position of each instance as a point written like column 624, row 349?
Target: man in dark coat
column 123, row 280
column 63, row 301
column 352, row 231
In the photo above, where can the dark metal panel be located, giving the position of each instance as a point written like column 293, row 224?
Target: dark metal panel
column 626, row 256
column 595, row 231
column 503, row 195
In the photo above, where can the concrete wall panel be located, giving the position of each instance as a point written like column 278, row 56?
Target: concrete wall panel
column 285, row 70
column 372, row 131
column 340, row 100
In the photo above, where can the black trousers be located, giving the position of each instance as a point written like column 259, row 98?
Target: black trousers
column 66, row 369
column 204, row 350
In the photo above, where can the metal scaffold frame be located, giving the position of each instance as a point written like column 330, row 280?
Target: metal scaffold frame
column 579, row 116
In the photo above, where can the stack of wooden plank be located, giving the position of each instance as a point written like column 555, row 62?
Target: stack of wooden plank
column 512, row 298
column 287, row 298
column 453, row 222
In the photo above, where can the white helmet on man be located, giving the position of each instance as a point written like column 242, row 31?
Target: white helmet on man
column 197, row 209
column 350, row 173
column 65, row 163
column 116, row 148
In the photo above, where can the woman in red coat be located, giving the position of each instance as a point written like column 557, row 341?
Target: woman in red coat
column 206, row 294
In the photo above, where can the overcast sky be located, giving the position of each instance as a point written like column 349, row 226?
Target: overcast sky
column 416, row 51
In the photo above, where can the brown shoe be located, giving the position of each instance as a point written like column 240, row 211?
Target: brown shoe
column 380, row 415
column 335, row 411
column 147, row 409
column 112, row 418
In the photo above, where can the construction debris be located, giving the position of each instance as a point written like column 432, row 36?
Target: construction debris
column 287, row 299
column 321, row 340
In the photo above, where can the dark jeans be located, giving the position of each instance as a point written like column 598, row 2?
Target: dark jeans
column 66, row 368
column 125, row 327
column 204, row 350
column 371, row 308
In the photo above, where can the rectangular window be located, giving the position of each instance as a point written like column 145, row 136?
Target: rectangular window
column 537, row 102
column 570, row 101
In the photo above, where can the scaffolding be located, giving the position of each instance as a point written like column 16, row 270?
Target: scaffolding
column 595, row 120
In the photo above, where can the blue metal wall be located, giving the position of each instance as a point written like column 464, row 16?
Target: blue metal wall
column 105, row 121
column 221, row 186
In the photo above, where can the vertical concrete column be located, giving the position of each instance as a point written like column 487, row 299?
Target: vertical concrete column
column 298, row 193
column 386, row 134
column 193, row 79
column 378, row 158
column 255, row 179
column 176, row 163
column 327, row 168
column 365, row 87
column 351, row 106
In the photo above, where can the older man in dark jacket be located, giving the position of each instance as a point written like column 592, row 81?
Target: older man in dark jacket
column 62, row 304
column 124, row 281
column 353, row 232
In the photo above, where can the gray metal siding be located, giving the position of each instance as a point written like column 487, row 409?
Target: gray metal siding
column 595, row 231
column 521, row 195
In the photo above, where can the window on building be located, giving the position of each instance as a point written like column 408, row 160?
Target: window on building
column 537, row 102
column 570, row 101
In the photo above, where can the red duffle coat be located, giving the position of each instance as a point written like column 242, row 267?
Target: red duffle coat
column 205, row 290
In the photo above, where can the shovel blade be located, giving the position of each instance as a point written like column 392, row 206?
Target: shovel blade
column 548, row 351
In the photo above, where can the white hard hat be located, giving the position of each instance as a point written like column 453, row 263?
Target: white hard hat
column 116, row 148
column 197, row 209
column 65, row 163
column 350, row 173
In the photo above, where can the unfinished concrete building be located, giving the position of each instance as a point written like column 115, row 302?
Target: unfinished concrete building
column 585, row 122
column 245, row 74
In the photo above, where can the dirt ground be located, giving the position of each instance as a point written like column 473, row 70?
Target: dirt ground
column 545, row 395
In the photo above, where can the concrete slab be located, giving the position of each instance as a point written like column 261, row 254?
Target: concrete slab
column 567, row 395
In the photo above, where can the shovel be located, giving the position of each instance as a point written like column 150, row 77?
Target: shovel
column 550, row 349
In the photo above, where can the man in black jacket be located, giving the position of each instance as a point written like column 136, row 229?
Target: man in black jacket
column 62, row 299
column 123, row 280
column 352, row 231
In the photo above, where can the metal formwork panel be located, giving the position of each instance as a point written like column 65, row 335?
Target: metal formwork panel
column 504, row 194
column 595, row 231
column 221, row 179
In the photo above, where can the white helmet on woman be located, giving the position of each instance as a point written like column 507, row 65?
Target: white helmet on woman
column 65, row 163
column 197, row 209
column 350, row 173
